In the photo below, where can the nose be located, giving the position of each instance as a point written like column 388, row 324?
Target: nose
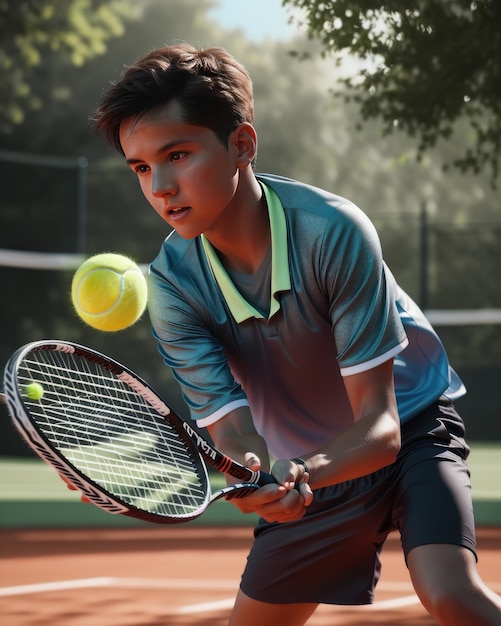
column 162, row 183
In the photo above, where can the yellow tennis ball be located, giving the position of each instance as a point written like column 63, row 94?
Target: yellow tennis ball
column 109, row 292
column 34, row 391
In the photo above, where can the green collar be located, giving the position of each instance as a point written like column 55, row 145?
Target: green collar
column 280, row 278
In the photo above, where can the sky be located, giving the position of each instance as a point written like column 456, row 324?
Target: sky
column 259, row 19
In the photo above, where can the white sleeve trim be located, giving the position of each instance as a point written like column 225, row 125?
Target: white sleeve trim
column 220, row 413
column 368, row 365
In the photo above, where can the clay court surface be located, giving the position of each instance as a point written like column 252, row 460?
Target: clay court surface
column 172, row 576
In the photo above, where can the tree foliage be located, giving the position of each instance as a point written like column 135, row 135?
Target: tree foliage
column 427, row 66
column 32, row 31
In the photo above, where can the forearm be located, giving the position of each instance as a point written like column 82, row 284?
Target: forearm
column 236, row 436
column 369, row 444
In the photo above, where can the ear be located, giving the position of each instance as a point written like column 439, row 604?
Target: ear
column 243, row 141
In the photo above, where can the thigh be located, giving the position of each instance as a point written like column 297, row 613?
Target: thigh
column 439, row 569
column 448, row 584
column 249, row 612
column 434, row 504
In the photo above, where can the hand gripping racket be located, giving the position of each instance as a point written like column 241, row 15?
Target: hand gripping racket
column 109, row 434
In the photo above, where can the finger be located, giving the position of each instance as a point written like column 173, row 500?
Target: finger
column 289, row 478
column 288, row 508
column 287, row 473
column 254, row 502
column 305, row 490
column 252, row 461
column 69, row 485
column 72, row 487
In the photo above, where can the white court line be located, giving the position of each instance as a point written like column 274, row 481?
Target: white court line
column 60, row 585
column 207, row 607
column 384, row 605
column 111, row 581
column 178, row 583
column 396, row 603
column 218, row 605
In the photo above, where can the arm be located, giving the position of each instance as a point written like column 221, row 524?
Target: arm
column 236, row 435
column 372, row 442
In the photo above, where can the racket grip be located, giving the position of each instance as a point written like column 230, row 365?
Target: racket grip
column 265, row 479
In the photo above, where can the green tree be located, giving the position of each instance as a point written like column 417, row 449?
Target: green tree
column 31, row 32
column 426, row 66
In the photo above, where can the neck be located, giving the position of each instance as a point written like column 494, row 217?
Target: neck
column 244, row 244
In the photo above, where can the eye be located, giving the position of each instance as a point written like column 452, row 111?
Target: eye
column 177, row 156
column 141, row 169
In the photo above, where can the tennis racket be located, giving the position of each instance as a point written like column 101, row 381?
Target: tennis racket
column 108, row 433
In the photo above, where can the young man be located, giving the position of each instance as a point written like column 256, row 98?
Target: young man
column 290, row 338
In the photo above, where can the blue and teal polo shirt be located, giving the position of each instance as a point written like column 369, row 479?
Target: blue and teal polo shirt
column 334, row 310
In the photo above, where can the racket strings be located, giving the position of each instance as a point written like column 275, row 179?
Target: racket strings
column 111, row 434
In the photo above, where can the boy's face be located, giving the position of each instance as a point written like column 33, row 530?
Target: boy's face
column 187, row 175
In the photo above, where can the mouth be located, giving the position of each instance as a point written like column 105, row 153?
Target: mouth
column 174, row 212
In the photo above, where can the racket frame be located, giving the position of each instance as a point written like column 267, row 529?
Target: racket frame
column 96, row 493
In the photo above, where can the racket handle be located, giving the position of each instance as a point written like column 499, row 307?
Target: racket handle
column 239, row 490
column 264, row 478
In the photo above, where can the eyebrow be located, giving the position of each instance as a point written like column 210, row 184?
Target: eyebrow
column 165, row 148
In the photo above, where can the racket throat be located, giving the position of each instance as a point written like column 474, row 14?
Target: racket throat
column 207, row 450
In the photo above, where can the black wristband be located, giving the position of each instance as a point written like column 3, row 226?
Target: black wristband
column 302, row 463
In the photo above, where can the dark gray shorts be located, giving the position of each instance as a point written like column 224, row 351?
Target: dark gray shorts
column 331, row 555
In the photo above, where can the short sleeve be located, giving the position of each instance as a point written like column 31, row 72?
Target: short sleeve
column 361, row 292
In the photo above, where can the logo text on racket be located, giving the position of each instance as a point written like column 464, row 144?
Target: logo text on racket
column 200, row 441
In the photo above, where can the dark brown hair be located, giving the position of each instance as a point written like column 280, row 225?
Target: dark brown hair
column 212, row 87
